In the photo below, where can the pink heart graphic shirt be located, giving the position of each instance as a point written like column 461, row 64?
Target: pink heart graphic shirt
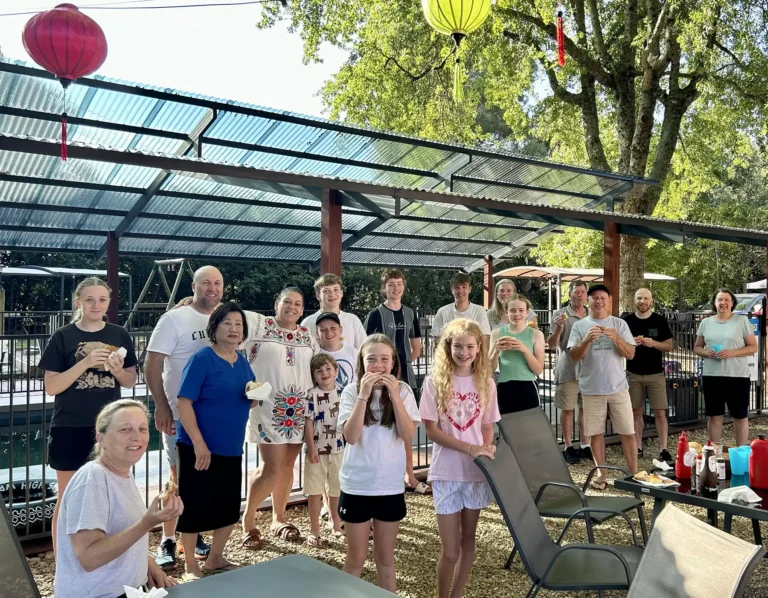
column 463, row 419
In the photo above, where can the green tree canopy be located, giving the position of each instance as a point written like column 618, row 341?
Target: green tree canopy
column 661, row 89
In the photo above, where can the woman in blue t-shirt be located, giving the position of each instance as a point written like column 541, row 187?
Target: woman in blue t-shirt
column 213, row 409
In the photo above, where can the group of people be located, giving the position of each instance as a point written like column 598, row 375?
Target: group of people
column 347, row 391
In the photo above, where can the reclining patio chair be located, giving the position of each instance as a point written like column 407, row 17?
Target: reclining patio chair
column 15, row 575
column 530, row 436
column 550, row 565
column 686, row 558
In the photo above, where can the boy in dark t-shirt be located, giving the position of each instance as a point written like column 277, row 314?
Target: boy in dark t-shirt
column 645, row 372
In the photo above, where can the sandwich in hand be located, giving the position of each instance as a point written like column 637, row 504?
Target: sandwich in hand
column 170, row 488
column 258, row 391
column 121, row 351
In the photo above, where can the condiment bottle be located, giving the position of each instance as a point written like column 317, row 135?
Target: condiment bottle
column 683, row 463
column 709, row 475
column 699, row 470
column 758, row 463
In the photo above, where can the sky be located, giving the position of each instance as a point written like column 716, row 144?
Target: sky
column 217, row 51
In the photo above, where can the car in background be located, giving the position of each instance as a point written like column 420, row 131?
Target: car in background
column 749, row 304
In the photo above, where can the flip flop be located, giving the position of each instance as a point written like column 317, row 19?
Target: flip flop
column 286, row 531
column 252, row 540
column 422, row 488
column 336, row 533
column 315, row 542
column 230, row 567
column 598, row 485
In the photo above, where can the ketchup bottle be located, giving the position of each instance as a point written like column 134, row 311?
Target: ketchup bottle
column 758, row 463
column 682, row 467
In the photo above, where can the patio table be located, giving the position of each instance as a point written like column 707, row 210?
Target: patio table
column 295, row 575
column 687, row 495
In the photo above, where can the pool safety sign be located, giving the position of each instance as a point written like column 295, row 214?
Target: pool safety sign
column 752, row 359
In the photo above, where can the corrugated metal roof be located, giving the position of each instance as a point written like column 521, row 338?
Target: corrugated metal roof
column 158, row 121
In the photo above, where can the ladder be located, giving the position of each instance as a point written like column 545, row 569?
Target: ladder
column 181, row 265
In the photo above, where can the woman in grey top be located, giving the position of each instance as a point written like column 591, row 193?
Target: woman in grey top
column 724, row 341
column 103, row 530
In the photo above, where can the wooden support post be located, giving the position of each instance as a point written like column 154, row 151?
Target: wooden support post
column 113, row 278
column 330, row 233
column 488, row 285
column 612, row 262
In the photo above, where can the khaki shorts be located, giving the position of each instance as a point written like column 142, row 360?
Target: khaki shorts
column 323, row 476
column 567, row 395
column 654, row 386
column 598, row 407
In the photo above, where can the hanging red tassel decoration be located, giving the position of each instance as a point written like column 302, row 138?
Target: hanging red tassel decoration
column 64, row 136
column 560, row 38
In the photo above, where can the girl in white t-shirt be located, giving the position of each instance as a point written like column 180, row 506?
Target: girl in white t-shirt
column 459, row 408
column 377, row 415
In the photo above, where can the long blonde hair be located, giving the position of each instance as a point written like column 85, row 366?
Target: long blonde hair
column 91, row 281
column 497, row 308
column 442, row 371
column 107, row 414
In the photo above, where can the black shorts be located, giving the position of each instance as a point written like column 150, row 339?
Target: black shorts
column 354, row 508
column 517, row 395
column 70, row 448
column 720, row 391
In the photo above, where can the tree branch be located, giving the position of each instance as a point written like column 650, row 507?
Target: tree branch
column 392, row 60
column 579, row 54
column 597, row 30
column 736, row 59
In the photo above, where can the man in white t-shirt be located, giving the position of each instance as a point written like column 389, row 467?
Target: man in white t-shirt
column 179, row 334
column 329, row 291
column 461, row 308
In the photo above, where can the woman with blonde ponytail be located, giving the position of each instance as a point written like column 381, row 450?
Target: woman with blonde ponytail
column 86, row 364
column 458, row 408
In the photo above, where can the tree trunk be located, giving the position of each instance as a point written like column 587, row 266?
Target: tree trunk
column 632, row 270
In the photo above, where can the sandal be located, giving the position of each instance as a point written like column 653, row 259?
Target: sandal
column 252, row 540
column 286, row 531
column 315, row 541
column 422, row 488
column 229, row 567
column 598, row 485
column 337, row 533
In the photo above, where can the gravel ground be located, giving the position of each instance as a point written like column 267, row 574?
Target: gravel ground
column 418, row 536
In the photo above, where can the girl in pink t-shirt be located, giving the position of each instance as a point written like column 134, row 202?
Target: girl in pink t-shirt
column 458, row 408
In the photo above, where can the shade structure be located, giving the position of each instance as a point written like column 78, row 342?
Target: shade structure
column 567, row 274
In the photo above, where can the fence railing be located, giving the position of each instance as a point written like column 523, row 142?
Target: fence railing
column 28, row 484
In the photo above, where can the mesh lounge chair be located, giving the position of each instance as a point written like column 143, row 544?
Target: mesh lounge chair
column 686, row 558
column 530, row 436
column 550, row 565
column 17, row 580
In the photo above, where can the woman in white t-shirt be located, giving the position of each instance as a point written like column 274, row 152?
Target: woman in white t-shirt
column 103, row 530
column 279, row 351
column 459, row 408
column 377, row 415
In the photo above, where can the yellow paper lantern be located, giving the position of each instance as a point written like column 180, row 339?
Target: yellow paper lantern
column 457, row 18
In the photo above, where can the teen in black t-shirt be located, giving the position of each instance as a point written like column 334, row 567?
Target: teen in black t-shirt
column 84, row 370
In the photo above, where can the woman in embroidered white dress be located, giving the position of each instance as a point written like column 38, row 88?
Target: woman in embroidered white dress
column 279, row 351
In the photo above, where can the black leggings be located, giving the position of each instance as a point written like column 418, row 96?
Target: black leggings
column 517, row 395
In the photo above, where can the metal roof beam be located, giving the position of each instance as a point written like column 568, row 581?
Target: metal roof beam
column 157, row 183
column 89, row 122
column 311, row 122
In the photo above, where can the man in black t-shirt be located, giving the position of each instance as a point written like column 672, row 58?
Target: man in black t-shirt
column 645, row 372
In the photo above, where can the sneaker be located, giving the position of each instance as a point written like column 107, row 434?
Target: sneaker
column 639, row 453
column 202, row 550
column 571, row 456
column 665, row 456
column 585, row 453
column 166, row 555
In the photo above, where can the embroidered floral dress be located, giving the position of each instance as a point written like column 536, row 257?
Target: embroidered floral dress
column 281, row 357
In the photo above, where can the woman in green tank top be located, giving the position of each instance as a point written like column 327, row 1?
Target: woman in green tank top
column 518, row 350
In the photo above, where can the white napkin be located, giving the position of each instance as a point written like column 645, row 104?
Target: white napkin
column 661, row 465
column 139, row 593
column 261, row 393
column 742, row 492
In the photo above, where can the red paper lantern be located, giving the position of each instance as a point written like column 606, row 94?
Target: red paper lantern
column 68, row 44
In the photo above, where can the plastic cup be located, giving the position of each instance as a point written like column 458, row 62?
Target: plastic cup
column 739, row 457
column 717, row 348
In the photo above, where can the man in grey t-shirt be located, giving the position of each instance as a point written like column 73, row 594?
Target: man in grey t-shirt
column 567, row 394
column 599, row 344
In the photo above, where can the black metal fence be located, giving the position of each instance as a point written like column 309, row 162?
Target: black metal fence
column 29, row 485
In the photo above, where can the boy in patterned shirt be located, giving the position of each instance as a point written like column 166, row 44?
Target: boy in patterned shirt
column 325, row 447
